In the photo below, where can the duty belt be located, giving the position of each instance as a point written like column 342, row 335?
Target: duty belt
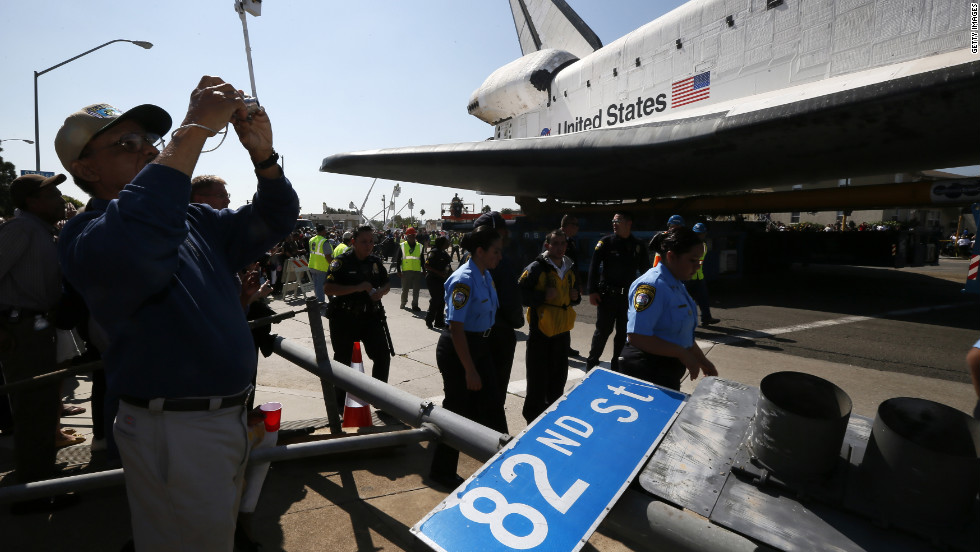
column 611, row 290
column 190, row 405
column 353, row 308
column 485, row 333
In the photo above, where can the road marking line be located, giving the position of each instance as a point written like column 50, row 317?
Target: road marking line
column 759, row 334
column 520, row 386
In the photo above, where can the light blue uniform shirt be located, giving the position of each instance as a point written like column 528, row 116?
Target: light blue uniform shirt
column 471, row 298
column 659, row 305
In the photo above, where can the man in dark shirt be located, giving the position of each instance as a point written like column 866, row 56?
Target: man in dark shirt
column 30, row 288
column 438, row 267
column 619, row 259
column 569, row 226
column 357, row 281
column 510, row 313
column 180, row 356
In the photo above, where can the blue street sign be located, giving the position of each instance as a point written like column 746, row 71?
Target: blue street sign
column 549, row 488
column 45, row 174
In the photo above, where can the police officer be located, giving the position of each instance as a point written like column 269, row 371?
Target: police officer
column 510, row 314
column 463, row 353
column 357, row 281
column 696, row 286
column 662, row 316
column 618, row 259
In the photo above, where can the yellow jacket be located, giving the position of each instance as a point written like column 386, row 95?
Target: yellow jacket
column 553, row 316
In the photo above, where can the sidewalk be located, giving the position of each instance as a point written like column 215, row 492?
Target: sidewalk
column 368, row 500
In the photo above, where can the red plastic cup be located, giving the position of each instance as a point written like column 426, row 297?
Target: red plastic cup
column 273, row 414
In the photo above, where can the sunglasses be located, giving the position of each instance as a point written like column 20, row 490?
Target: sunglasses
column 132, row 142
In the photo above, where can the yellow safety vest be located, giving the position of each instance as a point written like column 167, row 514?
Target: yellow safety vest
column 318, row 261
column 699, row 275
column 411, row 259
column 341, row 247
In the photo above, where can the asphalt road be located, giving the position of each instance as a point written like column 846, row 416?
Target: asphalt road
column 912, row 321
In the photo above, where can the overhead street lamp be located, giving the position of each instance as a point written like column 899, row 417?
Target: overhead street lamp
column 37, row 138
column 2, row 140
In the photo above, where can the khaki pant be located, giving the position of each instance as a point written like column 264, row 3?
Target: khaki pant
column 411, row 279
column 184, row 473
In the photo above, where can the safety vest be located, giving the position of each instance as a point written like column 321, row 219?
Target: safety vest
column 318, row 261
column 411, row 258
column 699, row 275
column 341, row 247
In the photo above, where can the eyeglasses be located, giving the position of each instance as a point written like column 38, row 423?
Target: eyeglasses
column 132, row 143
column 217, row 194
column 618, row 221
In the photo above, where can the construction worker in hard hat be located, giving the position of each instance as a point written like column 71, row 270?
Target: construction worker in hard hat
column 411, row 271
column 696, row 286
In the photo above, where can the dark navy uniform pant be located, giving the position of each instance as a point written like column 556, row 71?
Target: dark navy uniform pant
column 547, row 371
column 345, row 329
column 659, row 370
column 611, row 312
column 481, row 406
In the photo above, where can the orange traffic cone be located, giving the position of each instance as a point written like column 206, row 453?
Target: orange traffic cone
column 357, row 413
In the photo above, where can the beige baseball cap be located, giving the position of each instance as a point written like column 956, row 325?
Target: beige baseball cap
column 83, row 125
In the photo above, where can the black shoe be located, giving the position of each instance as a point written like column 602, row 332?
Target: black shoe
column 590, row 364
column 573, row 352
column 448, row 482
column 709, row 321
column 41, row 505
column 428, row 323
column 416, row 308
column 439, row 325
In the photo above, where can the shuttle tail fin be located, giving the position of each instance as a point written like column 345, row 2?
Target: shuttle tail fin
column 552, row 24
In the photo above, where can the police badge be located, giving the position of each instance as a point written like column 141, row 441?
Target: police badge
column 460, row 294
column 643, row 297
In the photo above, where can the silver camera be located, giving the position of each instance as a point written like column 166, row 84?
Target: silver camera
column 251, row 104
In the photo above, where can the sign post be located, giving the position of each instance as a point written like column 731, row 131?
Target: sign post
column 549, row 488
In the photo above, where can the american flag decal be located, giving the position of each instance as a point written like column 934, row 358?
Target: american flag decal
column 690, row 90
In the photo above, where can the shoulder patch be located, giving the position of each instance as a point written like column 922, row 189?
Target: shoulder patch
column 460, row 294
column 335, row 266
column 598, row 245
column 524, row 276
column 643, row 297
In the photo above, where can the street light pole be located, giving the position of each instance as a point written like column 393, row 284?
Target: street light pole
column 37, row 139
column 2, row 140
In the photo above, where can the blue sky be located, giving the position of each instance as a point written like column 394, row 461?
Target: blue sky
column 334, row 76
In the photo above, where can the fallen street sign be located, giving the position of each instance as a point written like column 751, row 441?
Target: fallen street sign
column 549, row 488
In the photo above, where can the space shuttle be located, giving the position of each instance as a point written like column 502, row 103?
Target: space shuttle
column 715, row 96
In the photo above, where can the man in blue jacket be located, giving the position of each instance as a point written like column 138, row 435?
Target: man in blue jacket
column 157, row 274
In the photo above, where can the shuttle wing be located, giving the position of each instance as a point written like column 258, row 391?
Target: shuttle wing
column 902, row 124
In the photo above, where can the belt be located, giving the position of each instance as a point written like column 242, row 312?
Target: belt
column 485, row 333
column 190, row 405
column 609, row 290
